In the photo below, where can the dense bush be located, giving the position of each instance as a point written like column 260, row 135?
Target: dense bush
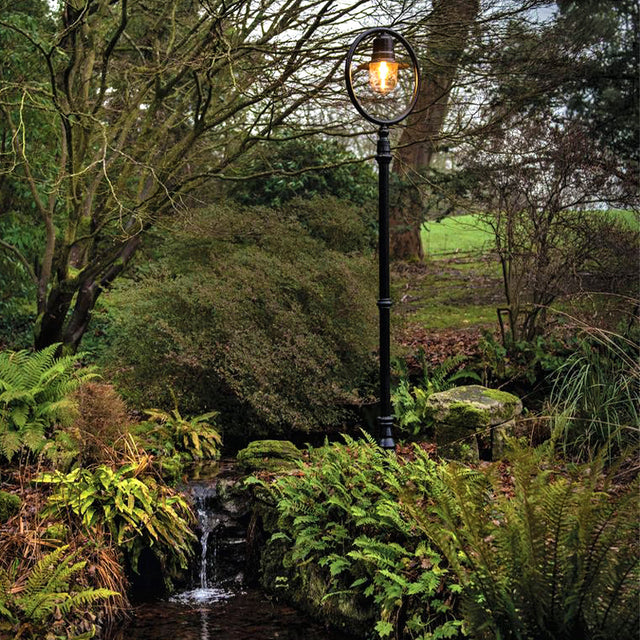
column 282, row 173
column 138, row 512
column 100, row 426
column 252, row 316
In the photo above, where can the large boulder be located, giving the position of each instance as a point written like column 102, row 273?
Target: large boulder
column 472, row 421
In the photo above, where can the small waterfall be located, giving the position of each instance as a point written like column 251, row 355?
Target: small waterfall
column 210, row 520
column 222, row 532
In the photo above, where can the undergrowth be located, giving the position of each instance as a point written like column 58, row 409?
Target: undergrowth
column 137, row 511
column 343, row 512
column 35, row 395
column 548, row 553
column 410, row 398
column 596, row 394
column 530, row 548
column 49, row 600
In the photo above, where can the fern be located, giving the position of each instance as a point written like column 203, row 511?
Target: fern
column 48, row 593
column 138, row 511
column 410, row 401
column 342, row 512
column 558, row 560
column 34, row 396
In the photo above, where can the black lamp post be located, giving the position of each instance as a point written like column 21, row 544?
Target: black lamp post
column 376, row 95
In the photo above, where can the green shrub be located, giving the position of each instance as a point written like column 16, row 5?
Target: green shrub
column 351, row 179
column 48, row 603
column 340, row 225
column 342, row 512
column 138, row 512
column 17, row 289
column 194, row 438
column 248, row 314
column 555, row 557
column 35, row 395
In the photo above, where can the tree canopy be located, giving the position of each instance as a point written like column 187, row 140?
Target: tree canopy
column 117, row 115
column 112, row 113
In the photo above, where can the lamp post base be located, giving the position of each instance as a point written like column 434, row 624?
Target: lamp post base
column 385, row 423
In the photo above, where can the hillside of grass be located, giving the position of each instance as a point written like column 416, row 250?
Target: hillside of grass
column 468, row 233
column 459, row 284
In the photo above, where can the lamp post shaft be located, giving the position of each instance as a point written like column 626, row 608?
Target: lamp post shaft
column 385, row 420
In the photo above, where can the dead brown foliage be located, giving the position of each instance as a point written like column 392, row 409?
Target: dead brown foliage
column 102, row 421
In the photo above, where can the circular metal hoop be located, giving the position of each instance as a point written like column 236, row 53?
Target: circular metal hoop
column 349, row 80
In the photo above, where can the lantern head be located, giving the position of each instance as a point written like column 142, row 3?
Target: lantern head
column 383, row 68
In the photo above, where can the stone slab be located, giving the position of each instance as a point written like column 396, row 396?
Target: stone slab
column 473, row 407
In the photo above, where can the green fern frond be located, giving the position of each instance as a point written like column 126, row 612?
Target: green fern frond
column 556, row 560
column 34, row 395
column 10, row 443
column 84, row 599
column 47, row 573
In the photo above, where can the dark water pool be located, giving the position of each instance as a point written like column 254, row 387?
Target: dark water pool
column 246, row 616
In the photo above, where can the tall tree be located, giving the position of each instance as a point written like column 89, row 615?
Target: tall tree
column 487, row 64
column 604, row 89
column 448, row 31
column 143, row 104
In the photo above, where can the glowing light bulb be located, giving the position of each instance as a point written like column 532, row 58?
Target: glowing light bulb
column 383, row 68
column 383, row 76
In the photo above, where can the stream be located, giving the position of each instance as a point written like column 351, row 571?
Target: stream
column 216, row 604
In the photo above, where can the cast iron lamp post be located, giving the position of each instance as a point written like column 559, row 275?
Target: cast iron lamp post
column 375, row 95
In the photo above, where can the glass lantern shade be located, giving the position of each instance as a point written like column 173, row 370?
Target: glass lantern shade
column 383, row 76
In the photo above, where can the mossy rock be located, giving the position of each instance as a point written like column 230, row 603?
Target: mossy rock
column 473, row 407
column 9, row 505
column 268, row 455
column 457, row 443
column 306, row 587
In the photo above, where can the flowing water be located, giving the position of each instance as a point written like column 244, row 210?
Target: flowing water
column 217, row 605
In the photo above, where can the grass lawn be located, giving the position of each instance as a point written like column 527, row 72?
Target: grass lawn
column 458, row 286
column 459, row 234
column 449, row 292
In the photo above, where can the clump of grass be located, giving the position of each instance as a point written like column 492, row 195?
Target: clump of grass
column 597, row 394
